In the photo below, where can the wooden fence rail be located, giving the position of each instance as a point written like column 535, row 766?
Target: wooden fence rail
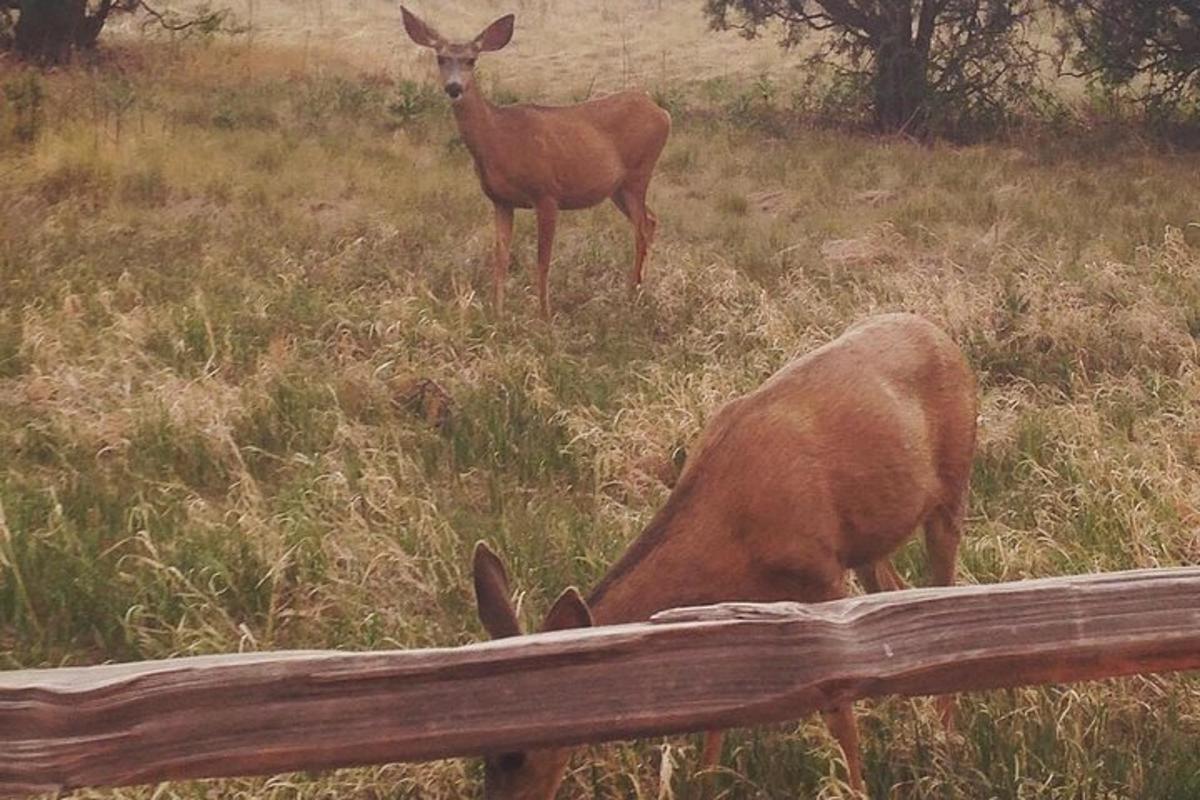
column 689, row 669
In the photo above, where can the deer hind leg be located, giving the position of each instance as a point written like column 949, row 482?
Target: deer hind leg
column 547, row 218
column 631, row 199
column 504, row 229
column 651, row 229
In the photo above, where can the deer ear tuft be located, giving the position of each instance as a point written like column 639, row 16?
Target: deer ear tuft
column 491, row 594
column 569, row 611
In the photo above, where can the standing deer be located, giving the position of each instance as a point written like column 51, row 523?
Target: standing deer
column 550, row 158
column 827, row 467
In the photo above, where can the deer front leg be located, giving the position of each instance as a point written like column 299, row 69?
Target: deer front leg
column 841, row 724
column 504, row 229
column 880, row 576
column 711, row 754
column 840, row 719
column 943, row 531
column 547, row 217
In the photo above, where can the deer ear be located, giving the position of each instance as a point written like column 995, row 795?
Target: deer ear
column 418, row 31
column 496, row 35
column 491, row 595
column 568, row 611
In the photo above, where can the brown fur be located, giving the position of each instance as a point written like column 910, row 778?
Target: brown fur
column 829, row 466
column 551, row 158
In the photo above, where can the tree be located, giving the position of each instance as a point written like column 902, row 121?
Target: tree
column 49, row 31
column 1151, row 46
column 922, row 59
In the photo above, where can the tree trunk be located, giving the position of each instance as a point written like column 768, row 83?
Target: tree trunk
column 901, row 84
column 89, row 30
column 48, row 30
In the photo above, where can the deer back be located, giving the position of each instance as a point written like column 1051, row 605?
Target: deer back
column 578, row 154
column 831, row 464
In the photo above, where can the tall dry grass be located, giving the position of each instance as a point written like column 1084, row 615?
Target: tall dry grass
column 230, row 271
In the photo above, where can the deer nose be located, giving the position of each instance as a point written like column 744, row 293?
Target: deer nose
column 454, row 89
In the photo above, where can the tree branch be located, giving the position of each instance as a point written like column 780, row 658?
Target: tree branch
column 208, row 21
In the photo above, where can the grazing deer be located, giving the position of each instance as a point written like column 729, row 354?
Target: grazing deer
column 550, row 158
column 827, row 467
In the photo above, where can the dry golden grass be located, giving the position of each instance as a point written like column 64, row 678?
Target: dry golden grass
column 225, row 267
column 562, row 51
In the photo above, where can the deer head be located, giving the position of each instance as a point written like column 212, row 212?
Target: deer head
column 531, row 774
column 456, row 61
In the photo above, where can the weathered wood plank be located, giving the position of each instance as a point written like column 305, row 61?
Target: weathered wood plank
column 690, row 669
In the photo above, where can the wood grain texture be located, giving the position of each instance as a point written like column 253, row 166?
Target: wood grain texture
column 689, row 669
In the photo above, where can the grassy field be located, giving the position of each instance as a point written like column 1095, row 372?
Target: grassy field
column 228, row 270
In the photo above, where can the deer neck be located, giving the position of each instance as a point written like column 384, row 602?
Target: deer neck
column 476, row 121
column 664, row 568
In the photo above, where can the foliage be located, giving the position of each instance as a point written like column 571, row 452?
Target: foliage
column 412, row 100
column 949, row 65
column 7, row 23
column 50, row 31
column 1151, row 47
column 22, row 111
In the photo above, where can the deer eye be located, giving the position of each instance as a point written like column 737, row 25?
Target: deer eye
column 470, row 62
column 442, row 61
